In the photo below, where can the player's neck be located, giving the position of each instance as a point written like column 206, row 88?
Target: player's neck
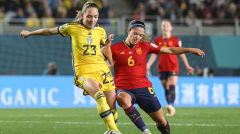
column 128, row 42
column 166, row 36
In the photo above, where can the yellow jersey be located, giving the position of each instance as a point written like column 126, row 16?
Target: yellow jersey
column 86, row 49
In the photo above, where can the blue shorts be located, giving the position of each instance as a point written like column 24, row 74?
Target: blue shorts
column 144, row 97
column 165, row 75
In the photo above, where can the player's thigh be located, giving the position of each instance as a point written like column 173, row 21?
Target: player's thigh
column 111, row 98
column 172, row 80
column 158, row 116
column 91, row 86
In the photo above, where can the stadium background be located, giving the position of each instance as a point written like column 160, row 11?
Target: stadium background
column 211, row 25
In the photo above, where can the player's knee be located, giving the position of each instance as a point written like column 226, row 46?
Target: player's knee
column 124, row 100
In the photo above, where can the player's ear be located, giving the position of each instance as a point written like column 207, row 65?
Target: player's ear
column 128, row 30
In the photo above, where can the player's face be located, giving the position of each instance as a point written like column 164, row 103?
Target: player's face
column 90, row 17
column 166, row 27
column 135, row 35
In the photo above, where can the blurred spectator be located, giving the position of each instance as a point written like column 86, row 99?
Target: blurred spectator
column 21, row 16
column 103, row 12
column 49, row 20
column 208, row 20
column 162, row 13
column 72, row 11
column 172, row 11
column 40, row 6
column 183, row 7
column 232, row 12
column 29, row 9
column 61, row 10
column 32, row 20
column 152, row 9
column 139, row 13
column 199, row 71
column 110, row 21
column 191, row 19
column 216, row 7
column 1, row 13
column 200, row 10
column 51, row 69
column 208, row 72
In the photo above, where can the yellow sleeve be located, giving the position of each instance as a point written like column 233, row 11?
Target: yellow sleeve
column 103, row 37
column 64, row 30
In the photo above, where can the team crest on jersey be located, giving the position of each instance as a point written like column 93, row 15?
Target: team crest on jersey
column 160, row 43
column 81, row 78
column 170, row 43
column 63, row 26
column 139, row 51
column 89, row 40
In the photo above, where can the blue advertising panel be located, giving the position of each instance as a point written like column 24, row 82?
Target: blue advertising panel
column 60, row 92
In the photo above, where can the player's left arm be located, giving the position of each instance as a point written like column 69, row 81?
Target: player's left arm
column 181, row 50
column 189, row 69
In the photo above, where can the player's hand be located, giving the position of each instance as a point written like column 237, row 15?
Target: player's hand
column 148, row 66
column 190, row 70
column 111, row 37
column 24, row 33
column 198, row 52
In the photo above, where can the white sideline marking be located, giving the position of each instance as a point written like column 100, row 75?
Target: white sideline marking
column 99, row 123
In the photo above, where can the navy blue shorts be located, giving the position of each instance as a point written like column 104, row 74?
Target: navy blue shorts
column 165, row 75
column 144, row 97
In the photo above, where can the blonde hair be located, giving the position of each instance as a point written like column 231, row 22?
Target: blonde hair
column 87, row 5
column 138, row 23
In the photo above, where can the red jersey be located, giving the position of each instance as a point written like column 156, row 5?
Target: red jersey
column 168, row 62
column 130, row 64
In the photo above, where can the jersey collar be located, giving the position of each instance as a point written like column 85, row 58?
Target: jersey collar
column 87, row 27
column 128, row 46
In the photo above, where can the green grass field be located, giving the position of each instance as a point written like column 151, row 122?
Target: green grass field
column 87, row 121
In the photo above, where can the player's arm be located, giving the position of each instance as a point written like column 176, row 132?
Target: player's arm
column 181, row 50
column 151, row 61
column 106, row 50
column 44, row 32
column 189, row 69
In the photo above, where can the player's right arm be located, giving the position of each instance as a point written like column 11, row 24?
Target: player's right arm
column 151, row 61
column 44, row 32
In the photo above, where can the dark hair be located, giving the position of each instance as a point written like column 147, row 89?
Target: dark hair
column 138, row 23
column 87, row 5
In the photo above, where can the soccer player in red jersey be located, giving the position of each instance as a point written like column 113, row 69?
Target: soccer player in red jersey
column 132, row 85
column 168, row 66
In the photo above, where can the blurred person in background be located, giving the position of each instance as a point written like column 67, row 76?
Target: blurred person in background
column 132, row 84
column 139, row 13
column 49, row 20
column 91, row 71
column 51, row 69
column 33, row 20
column 192, row 20
column 21, row 16
column 199, row 71
column 168, row 66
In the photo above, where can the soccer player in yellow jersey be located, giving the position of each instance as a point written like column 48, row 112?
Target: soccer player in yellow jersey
column 91, row 71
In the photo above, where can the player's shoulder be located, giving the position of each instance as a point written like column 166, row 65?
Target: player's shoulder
column 99, row 27
column 117, row 44
column 175, row 38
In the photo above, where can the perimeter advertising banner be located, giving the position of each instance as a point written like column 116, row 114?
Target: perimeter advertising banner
column 60, row 92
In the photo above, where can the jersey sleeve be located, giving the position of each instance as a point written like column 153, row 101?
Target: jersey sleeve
column 179, row 43
column 103, row 38
column 64, row 30
column 153, row 48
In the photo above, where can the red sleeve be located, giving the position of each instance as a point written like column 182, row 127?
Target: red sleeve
column 179, row 43
column 153, row 48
